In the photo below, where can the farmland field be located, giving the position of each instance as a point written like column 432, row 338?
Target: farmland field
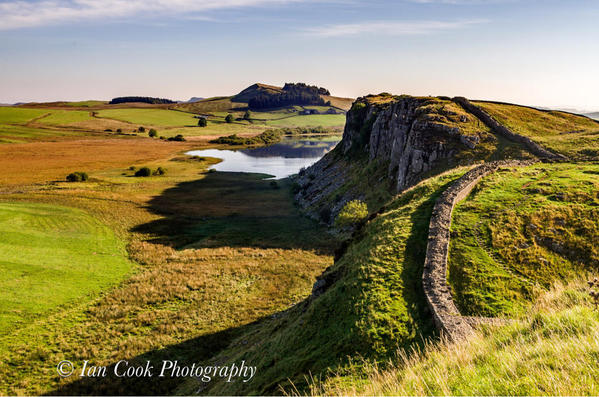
column 12, row 115
column 51, row 256
column 316, row 120
column 65, row 117
column 152, row 116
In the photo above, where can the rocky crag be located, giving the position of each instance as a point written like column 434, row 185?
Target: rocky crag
column 389, row 144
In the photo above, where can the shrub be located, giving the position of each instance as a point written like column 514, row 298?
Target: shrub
column 107, row 130
column 274, row 185
column 247, row 115
column 141, row 129
column 132, row 168
column 229, row 118
column 352, row 213
column 77, row 177
column 143, row 172
column 178, row 138
column 119, row 130
column 202, row 122
column 159, row 171
column 152, row 133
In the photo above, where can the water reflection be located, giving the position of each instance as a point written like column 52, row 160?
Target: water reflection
column 279, row 160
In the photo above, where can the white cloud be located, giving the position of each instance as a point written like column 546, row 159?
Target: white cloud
column 16, row 14
column 390, row 28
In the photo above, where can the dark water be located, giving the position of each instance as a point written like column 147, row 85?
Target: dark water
column 279, row 160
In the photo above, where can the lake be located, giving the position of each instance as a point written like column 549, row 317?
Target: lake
column 279, row 160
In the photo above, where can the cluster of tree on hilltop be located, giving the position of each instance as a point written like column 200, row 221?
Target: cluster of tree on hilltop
column 144, row 99
column 292, row 94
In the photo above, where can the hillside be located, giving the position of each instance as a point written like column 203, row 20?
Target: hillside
column 536, row 224
column 549, row 350
column 240, row 101
column 572, row 135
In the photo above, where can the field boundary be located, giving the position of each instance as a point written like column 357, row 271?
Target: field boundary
column 446, row 316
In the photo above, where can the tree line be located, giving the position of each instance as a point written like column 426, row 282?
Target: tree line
column 292, row 94
column 144, row 99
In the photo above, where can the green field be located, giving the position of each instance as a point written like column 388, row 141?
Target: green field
column 12, row 115
column 51, row 256
column 151, row 116
column 519, row 231
column 316, row 120
column 573, row 135
column 65, row 117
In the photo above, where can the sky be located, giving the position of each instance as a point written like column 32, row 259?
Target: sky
column 534, row 52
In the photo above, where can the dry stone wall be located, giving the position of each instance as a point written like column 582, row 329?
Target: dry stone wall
column 500, row 129
column 445, row 313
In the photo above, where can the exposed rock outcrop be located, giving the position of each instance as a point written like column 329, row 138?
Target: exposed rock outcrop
column 404, row 138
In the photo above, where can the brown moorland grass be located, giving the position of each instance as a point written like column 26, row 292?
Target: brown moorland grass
column 36, row 162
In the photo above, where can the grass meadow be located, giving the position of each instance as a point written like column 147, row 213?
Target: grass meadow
column 519, row 231
column 52, row 256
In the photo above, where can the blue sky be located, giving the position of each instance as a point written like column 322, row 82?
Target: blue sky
column 532, row 52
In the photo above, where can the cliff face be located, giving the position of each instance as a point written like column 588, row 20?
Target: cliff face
column 393, row 142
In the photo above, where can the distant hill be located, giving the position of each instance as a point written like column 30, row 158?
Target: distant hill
column 194, row 99
column 594, row 115
column 292, row 94
column 256, row 90
column 241, row 101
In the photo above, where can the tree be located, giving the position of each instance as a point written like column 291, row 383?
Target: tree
column 352, row 213
column 247, row 115
column 229, row 118
column 77, row 177
column 202, row 122
column 152, row 133
column 141, row 129
column 143, row 172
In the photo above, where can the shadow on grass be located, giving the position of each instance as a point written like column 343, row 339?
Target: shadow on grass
column 198, row 350
column 234, row 210
column 205, row 348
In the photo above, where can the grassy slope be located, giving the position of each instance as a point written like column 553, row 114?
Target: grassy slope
column 373, row 306
column 534, row 225
column 38, row 275
column 550, row 350
column 573, row 135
